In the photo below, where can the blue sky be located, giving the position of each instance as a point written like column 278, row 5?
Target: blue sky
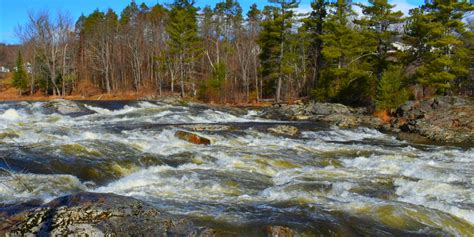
column 15, row 12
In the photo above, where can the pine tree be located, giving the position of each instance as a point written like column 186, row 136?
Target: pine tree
column 379, row 25
column 183, row 41
column 391, row 91
column 274, row 41
column 441, row 56
column 346, row 74
column 313, row 31
column 20, row 76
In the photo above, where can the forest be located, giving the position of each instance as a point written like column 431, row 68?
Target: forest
column 340, row 51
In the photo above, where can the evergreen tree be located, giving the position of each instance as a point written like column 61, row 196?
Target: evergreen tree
column 184, row 43
column 20, row 76
column 379, row 25
column 440, row 56
column 274, row 41
column 313, row 30
column 129, row 14
column 346, row 75
column 391, row 91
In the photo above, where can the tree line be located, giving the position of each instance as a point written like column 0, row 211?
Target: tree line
column 379, row 57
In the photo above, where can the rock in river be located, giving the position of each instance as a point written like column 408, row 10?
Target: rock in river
column 285, row 130
column 192, row 138
column 66, row 107
column 92, row 214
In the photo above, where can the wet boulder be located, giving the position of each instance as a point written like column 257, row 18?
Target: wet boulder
column 171, row 100
column 326, row 109
column 93, row 214
column 192, row 138
column 285, row 130
column 281, row 112
column 66, row 107
column 342, row 120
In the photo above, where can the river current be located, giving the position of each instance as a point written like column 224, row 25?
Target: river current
column 325, row 181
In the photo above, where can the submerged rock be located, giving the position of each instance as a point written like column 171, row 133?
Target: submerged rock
column 192, row 138
column 93, row 214
column 285, row 130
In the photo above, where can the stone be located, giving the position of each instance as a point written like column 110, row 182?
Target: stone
column 329, row 108
column 446, row 119
column 285, row 130
column 94, row 214
column 66, row 107
column 279, row 231
column 342, row 120
column 192, row 138
column 175, row 101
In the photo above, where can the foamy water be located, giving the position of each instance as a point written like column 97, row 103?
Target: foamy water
column 132, row 150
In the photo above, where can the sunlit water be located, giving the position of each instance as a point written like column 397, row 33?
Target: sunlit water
column 326, row 181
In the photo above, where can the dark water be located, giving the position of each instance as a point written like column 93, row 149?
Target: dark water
column 325, row 181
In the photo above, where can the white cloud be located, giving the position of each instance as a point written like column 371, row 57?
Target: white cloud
column 303, row 9
column 400, row 5
column 403, row 5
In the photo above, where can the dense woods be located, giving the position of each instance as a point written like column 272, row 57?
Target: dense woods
column 222, row 53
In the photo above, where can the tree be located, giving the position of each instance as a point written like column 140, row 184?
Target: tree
column 183, row 38
column 440, row 57
column 391, row 91
column 157, row 17
column 20, row 76
column 274, row 41
column 379, row 24
column 346, row 75
column 313, row 28
column 50, row 39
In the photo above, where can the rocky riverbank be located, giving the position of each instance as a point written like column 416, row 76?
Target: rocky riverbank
column 104, row 214
column 91, row 214
column 447, row 120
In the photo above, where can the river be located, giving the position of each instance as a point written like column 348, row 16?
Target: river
column 324, row 181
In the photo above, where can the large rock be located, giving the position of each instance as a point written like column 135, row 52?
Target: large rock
column 285, row 130
column 326, row 109
column 66, row 107
column 171, row 100
column 92, row 214
column 332, row 113
column 342, row 120
column 192, row 138
column 310, row 111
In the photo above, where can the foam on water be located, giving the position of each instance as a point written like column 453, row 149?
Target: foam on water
column 10, row 115
column 349, row 170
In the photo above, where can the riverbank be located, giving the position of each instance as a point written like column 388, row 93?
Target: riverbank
column 439, row 120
